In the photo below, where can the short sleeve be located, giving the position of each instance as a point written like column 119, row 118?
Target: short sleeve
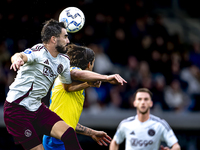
column 169, row 136
column 65, row 77
column 30, row 55
column 119, row 135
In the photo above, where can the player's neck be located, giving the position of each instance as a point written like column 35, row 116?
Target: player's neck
column 143, row 117
column 51, row 50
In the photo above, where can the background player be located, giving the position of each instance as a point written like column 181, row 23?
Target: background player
column 69, row 105
column 144, row 131
column 25, row 117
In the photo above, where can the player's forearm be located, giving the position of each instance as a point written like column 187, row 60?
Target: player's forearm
column 113, row 145
column 87, row 76
column 84, row 130
column 17, row 56
column 75, row 86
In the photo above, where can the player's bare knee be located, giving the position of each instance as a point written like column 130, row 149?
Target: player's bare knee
column 59, row 129
column 39, row 147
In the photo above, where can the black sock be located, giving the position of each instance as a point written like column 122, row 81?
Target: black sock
column 70, row 140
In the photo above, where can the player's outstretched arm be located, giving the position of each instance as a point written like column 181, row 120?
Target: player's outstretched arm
column 77, row 85
column 99, row 136
column 89, row 76
column 176, row 146
column 18, row 59
column 113, row 145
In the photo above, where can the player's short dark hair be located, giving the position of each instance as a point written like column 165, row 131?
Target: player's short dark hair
column 80, row 56
column 143, row 90
column 51, row 28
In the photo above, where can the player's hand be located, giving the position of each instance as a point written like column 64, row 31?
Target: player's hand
column 16, row 64
column 101, row 138
column 164, row 148
column 115, row 79
column 95, row 84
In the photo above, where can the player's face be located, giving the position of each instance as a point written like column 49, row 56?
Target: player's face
column 143, row 102
column 62, row 42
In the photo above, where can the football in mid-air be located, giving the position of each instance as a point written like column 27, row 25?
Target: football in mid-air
column 74, row 19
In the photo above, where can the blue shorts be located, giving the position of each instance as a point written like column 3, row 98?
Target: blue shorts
column 50, row 143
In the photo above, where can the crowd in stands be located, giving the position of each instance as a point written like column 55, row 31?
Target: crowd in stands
column 127, row 38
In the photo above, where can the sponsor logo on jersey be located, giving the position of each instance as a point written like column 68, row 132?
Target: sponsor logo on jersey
column 137, row 142
column 27, row 51
column 151, row 132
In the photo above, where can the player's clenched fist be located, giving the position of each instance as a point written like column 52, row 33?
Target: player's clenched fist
column 17, row 63
column 18, row 60
column 95, row 84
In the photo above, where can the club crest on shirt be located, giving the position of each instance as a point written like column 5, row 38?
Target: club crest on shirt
column 60, row 68
column 151, row 132
column 27, row 133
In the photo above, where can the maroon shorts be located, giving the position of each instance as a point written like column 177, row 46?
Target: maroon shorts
column 28, row 127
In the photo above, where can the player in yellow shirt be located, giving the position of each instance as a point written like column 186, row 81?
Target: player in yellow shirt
column 63, row 102
column 67, row 100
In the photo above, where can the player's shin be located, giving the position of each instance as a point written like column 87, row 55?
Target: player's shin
column 70, row 140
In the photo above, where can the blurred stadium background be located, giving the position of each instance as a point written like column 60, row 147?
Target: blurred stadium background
column 151, row 43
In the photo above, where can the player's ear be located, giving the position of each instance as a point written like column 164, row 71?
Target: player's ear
column 88, row 65
column 134, row 103
column 53, row 39
column 151, row 104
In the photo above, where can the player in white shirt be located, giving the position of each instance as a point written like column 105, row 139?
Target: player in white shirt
column 25, row 117
column 144, row 131
column 29, row 76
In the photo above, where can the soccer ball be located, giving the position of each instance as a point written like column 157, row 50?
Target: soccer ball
column 73, row 17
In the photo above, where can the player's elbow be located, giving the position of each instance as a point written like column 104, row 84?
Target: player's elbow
column 66, row 87
column 113, row 145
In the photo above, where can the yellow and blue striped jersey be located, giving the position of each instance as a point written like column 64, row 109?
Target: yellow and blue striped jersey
column 68, row 105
